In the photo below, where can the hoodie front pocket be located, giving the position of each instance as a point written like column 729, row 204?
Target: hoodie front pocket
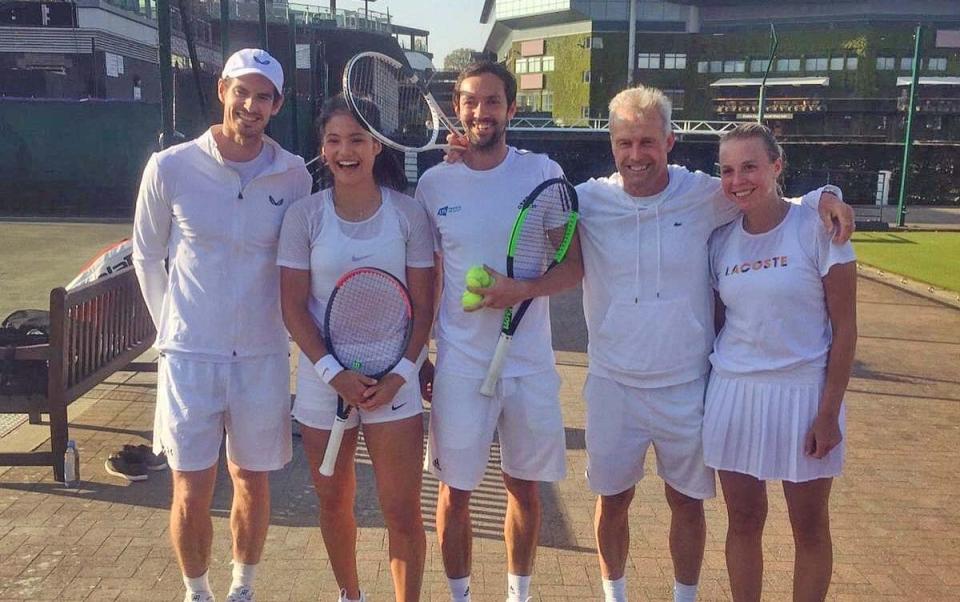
column 650, row 337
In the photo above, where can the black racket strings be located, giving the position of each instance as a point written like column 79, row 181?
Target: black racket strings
column 390, row 103
column 368, row 324
column 542, row 232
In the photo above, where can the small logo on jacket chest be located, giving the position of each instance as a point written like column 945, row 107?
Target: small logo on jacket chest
column 276, row 202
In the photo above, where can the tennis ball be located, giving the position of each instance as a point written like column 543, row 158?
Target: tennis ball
column 477, row 277
column 470, row 300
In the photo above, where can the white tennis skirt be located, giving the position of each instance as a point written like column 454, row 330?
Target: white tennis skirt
column 757, row 427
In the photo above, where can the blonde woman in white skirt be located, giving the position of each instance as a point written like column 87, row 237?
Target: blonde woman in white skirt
column 786, row 315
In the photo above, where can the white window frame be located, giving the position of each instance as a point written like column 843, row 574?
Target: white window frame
column 548, row 63
column 886, row 63
column 520, row 66
column 648, row 60
column 674, row 60
column 837, row 63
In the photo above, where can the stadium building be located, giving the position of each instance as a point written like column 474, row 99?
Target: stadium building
column 842, row 69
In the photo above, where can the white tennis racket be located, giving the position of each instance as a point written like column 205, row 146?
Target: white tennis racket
column 393, row 102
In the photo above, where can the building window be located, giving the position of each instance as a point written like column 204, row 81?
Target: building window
column 528, row 102
column 886, row 63
column 852, row 63
column 520, row 66
column 817, row 64
column 597, row 43
column 936, row 64
column 906, row 63
column 674, row 61
column 703, row 67
column 716, row 66
column 734, row 66
column 546, row 100
column 648, row 61
column 759, row 65
column 586, row 77
column 547, row 63
column 788, row 64
column 836, row 63
column 676, row 99
column 533, row 64
column 585, row 112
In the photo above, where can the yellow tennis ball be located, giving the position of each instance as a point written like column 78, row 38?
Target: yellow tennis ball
column 470, row 300
column 477, row 277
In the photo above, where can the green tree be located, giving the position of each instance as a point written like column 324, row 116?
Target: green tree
column 458, row 59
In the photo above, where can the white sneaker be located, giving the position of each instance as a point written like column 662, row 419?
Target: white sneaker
column 242, row 594
column 199, row 597
column 343, row 596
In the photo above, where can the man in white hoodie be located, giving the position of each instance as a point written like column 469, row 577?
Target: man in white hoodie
column 649, row 309
column 212, row 208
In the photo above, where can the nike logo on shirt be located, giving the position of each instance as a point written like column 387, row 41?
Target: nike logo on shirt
column 359, row 257
column 396, row 407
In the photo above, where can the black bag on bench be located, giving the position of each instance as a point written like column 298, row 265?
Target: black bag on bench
column 22, row 328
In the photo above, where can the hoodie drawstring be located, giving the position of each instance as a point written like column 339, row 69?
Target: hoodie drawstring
column 659, row 248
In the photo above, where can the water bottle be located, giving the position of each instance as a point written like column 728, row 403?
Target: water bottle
column 71, row 465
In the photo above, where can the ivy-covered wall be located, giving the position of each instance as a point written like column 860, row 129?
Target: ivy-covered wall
column 608, row 66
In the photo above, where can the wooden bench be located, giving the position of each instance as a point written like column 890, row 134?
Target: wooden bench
column 95, row 330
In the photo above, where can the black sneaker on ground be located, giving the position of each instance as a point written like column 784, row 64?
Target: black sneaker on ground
column 145, row 454
column 126, row 465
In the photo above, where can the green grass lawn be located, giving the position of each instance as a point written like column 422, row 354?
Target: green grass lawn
column 931, row 257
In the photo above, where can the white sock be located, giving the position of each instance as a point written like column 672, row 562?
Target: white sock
column 615, row 590
column 197, row 584
column 242, row 575
column 518, row 587
column 684, row 593
column 344, row 598
column 459, row 589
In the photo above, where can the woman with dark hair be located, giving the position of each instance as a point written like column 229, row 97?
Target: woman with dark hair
column 361, row 220
column 786, row 314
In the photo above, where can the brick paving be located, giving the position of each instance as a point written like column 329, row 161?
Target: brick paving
column 896, row 528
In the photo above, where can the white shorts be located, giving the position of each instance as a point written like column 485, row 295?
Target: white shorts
column 525, row 412
column 198, row 400
column 756, row 426
column 622, row 423
column 316, row 402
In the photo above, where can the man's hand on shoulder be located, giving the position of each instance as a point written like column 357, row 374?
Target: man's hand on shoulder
column 837, row 217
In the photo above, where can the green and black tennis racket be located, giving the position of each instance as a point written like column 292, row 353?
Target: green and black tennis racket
column 540, row 240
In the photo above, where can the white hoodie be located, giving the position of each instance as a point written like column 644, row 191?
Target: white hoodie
column 220, row 299
column 647, row 296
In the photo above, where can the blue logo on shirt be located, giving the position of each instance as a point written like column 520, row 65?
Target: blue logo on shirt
column 276, row 202
column 448, row 210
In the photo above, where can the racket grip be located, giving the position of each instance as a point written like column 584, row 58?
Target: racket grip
column 333, row 446
column 496, row 365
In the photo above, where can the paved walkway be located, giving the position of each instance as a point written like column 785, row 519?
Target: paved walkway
column 896, row 523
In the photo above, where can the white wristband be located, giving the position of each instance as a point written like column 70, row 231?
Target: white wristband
column 406, row 369
column 327, row 367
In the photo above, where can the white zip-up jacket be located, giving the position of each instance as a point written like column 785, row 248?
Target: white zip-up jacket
column 647, row 297
column 221, row 297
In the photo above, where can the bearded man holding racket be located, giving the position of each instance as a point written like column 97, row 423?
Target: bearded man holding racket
column 649, row 310
column 213, row 208
column 472, row 206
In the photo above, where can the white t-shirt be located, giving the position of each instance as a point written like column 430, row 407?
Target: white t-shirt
column 772, row 287
column 248, row 170
column 315, row 238
column 472, row 214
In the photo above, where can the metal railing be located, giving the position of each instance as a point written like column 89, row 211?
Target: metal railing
column 680, row 126
column 303, row 14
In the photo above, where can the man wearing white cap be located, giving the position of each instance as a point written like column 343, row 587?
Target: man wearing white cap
column 212, row 208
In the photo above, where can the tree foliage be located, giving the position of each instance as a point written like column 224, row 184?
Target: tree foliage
column 458, row 59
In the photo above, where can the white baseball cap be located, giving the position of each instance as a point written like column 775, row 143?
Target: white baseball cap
column 254, row 60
